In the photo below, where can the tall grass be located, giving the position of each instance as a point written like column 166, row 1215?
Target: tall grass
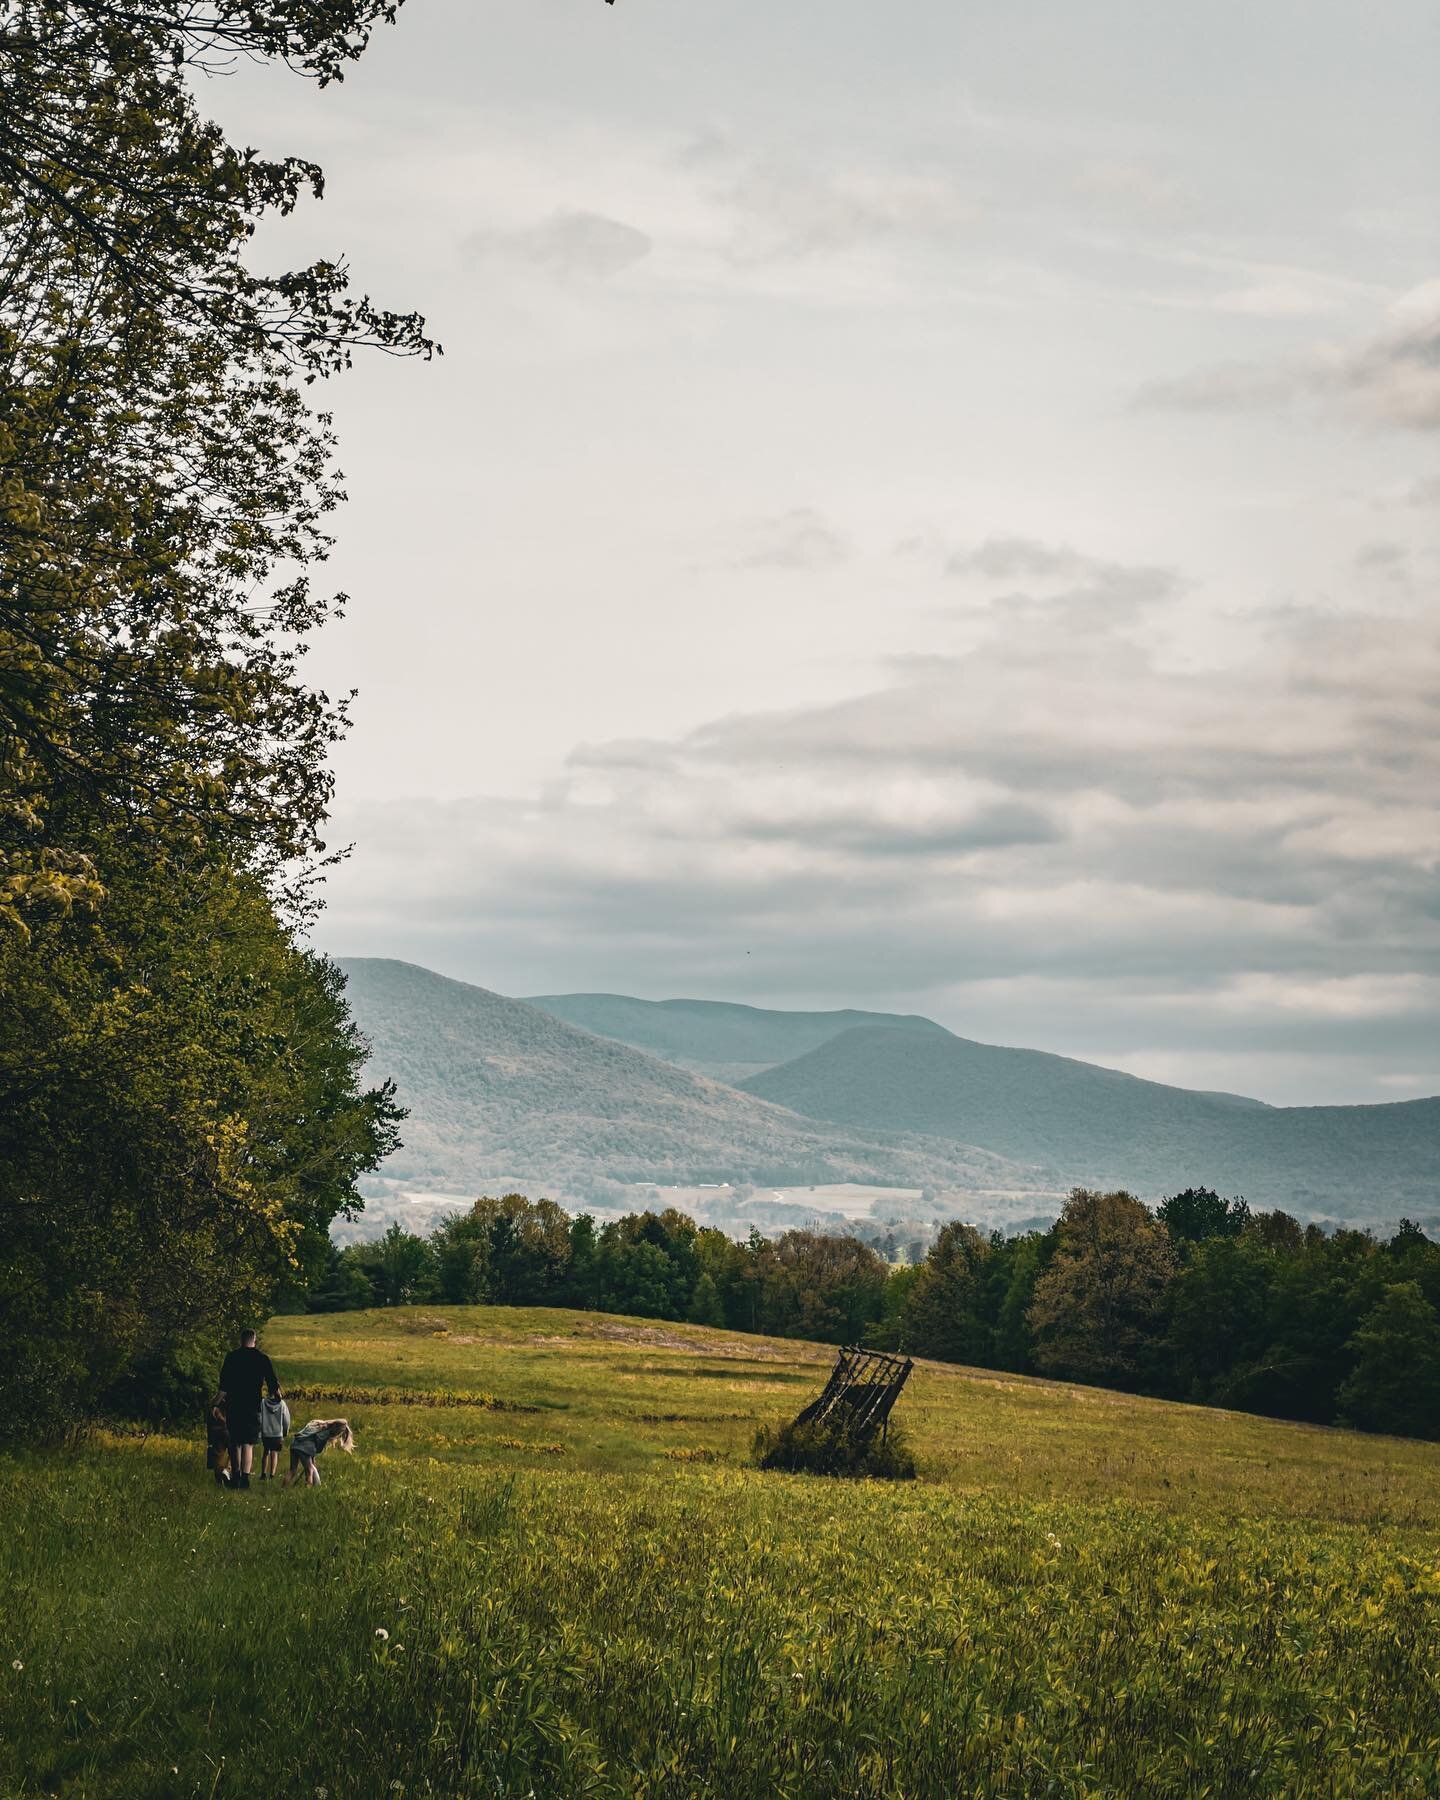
column 450, row 1617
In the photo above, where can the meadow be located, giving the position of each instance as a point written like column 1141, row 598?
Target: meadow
column 549, row 1571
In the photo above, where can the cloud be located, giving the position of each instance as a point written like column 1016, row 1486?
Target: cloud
column 799, row 539
column 784, row 207
column 1245, row 854
column 1396, row 377
column 572, row 244
column 1061, row 587
column 1390, row 378
column 1384, row 560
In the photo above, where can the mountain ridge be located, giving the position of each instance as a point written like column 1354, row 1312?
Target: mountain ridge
column 499, row 1090
column 1103, row 1127
column 506, row 1090
column 725, row 1039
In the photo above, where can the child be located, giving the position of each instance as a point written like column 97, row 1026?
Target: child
column 310, row 1442
column 274, row 1423
column 217, row 1442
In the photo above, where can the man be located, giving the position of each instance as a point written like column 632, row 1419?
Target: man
column 242, row 1375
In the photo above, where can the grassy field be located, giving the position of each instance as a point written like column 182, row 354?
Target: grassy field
column 548, row 1571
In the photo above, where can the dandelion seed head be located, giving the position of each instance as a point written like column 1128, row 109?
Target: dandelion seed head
column 382, row 1633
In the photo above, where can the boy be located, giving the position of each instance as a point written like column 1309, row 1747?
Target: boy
column 274, row 1424
column 217, row 1442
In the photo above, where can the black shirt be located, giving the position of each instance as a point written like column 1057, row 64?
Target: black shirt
column 242, row 1374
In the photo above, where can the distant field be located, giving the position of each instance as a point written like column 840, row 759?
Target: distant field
column 587, row 1592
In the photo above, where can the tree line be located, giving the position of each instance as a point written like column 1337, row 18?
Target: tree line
column 1199, row 1300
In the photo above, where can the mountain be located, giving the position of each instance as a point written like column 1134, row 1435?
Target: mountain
column 500, row 1092
column 715, row 1037
column 1091, row 1126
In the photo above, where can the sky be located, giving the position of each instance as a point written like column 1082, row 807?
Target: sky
column 933, row 507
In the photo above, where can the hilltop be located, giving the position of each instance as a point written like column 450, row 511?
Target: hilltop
column 501, row 1093
column 1098, row 1127
column 718, row 1038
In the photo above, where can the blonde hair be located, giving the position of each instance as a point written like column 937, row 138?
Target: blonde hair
column 337, row 1431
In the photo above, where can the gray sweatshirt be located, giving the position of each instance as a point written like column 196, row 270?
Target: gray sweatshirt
column 274, row 1418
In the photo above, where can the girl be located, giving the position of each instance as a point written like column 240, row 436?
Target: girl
column 310, row 1441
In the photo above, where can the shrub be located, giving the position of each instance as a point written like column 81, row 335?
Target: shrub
column 833, row 1447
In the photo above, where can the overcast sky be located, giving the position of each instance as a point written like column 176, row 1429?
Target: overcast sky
column 933, row 505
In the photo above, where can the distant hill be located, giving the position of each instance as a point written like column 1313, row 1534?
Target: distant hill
column 502, row 1092
column 715, row 1037
column 1095, row 1126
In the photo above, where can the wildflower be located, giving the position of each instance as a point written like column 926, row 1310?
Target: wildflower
column 17, row 1665
column 382, row 1634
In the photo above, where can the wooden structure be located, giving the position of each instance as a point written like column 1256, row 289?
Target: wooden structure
column 863, row 1388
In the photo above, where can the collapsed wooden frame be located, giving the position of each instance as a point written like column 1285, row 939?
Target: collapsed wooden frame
column 864, row 1384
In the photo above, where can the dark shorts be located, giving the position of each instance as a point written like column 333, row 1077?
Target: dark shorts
column 272, row 1446
column 244, row 1426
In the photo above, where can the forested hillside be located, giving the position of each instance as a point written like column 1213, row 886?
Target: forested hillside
column 1103, row 1128
column 499, row 1091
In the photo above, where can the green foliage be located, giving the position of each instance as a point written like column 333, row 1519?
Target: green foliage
column 341, row 1286
column 1265, row 1320
column 1218, row 1334
column 944, row 1315
column 179, row 1113
column 164, row 485
column 1097, row 1303
column 833, row 1447
column 1395, row 1384
column 180, row 1109
column 705, row 1307
column 812, row 1285
column 1197, row 1214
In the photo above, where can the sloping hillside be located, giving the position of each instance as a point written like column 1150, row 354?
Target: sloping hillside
column 1096, row 1126
column 715, row 1037
column 500, row 1091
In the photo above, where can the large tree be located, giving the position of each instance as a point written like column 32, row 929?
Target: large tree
column 1098, row 1305
column 164, row 484
column 181, row 1113
column 182, row 1117
column 944, row 1314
